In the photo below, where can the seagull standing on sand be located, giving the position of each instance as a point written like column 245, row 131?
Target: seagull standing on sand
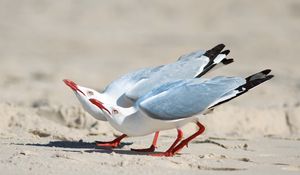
column 127, row 90
column 174, row 104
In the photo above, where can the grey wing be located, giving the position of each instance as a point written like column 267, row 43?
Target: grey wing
column 127, row 81
column 171, row 72
column 118, row 88
column 189, row 66
column 186, row 98
column 138, row 77
column 191, row 55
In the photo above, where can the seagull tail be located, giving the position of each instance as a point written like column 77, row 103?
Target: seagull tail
column 216, row 57
column 251, row 82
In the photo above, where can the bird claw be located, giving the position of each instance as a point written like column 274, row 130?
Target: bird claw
column 113, row 144
column 107, row 144
column 150, row 149
column 164, row 154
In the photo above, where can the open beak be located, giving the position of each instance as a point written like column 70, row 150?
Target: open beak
column 99, row 104
column 73, row 86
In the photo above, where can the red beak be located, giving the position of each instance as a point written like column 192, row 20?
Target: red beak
column 73, row 86
column 99, row 104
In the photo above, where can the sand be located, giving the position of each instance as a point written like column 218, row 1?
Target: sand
column 44, row 130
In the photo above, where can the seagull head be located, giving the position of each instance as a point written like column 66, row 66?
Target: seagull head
column 100, row 105
column 73, row 86
column 81, row 91
column 113, row 113
column 83, row 94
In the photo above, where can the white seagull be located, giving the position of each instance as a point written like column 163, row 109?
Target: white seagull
column 175, row 104
column 125, row 91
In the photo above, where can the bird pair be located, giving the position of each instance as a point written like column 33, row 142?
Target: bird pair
column 166, row 97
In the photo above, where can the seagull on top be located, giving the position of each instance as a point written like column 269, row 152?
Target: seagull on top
column 174, row 104
column 127, row 90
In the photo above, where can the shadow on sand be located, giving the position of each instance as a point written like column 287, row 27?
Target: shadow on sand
column 89, row 147
column 73, row 144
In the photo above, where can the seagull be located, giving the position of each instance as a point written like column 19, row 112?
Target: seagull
column 125, row 91
column 174, row 104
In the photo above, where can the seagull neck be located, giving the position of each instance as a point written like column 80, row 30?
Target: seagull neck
column 127, row 111
column 107, row 99
column 119, row 115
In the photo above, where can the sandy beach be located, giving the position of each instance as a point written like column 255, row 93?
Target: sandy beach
column 44, row 129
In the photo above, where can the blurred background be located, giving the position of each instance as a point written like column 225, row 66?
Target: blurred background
column 95, row 41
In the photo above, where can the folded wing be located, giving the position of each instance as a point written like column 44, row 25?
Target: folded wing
column 185, row 98
column 192, row 65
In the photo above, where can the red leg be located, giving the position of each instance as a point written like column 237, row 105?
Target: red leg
column 152, row 147
column 187, row 140
column 169, row 152
column 114, row 144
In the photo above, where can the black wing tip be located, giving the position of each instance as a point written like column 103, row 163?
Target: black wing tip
column 259, row 75
column 226, row 52
column 250, row 83
column 258, row 78
column 270, row 77
column 266, row 78
column 266, row 71
column 221, row 45
column 227, row 61
column 212, row 53
column 256, row 82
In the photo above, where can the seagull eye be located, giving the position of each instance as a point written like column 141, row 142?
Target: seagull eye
column 115, row 111
column 90, row 93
